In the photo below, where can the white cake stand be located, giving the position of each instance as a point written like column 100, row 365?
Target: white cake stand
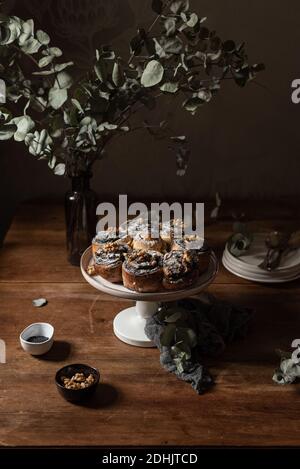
column 129, row 324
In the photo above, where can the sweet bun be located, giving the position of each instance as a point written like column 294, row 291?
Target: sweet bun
column 180, row 269
column 145, row 242
column 142, row 271
column 197, row 244
column 109, row 260
column 110, row 236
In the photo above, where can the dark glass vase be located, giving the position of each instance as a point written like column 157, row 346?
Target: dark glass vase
column 80, row 211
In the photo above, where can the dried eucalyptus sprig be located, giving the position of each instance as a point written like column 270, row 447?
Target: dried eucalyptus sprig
column 240, row 241
column 178, row 335
column 289, row 369
column 187, row 330
column 69, row 122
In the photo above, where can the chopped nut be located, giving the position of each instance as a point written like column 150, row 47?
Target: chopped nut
column 78, row 381
column 91, row 270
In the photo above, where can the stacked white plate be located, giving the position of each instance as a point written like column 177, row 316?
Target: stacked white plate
column 246, row 266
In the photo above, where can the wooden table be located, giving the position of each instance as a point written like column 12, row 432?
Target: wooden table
column 139, row 403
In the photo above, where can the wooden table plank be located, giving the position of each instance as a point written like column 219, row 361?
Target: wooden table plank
column 138, row 402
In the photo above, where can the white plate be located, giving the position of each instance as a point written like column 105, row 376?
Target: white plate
column 268, row 277
column 257, row 271
column 257, row 252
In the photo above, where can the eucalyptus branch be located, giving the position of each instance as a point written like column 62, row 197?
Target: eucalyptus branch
column 84, row 114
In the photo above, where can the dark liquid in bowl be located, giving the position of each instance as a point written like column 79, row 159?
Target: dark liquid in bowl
column 37, row 339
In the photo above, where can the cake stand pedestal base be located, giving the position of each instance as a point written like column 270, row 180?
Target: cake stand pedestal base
column 129, row 324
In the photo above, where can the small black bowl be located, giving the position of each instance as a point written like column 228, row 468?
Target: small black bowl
column 76, row 395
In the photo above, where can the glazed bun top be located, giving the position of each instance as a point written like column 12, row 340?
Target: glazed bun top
column 177, row 264
column 107, row 236
column 189, row 242
column 142, row 262
column 137, row 225
column 145, row 241
column 111, row 253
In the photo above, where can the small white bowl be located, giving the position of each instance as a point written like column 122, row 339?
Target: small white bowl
column 37, row 329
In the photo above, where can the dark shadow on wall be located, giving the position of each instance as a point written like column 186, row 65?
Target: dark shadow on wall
column 22, row 177
column 7, row 212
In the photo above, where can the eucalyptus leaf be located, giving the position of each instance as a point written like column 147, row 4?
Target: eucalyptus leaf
column 27, row 32
column 55, row 51
column 170, row 26
column 168, row 334
column 101, row 70
column 44, row 73
column 9, row 32
column 52, row 161
column 107, row 126
column 44, row 61
column 117, row 75
column 159, row 49
column 42, row 37
column 5, row 114
column 181, row 354
column 177, row 6
column 39, row 143
column 173, row 317
column 179, row 362
column 39, row 302
column 239, row 243
column 181, row 350
column 63, row 80
column 77, row 105
column 31, row 46
column 187, row 336
column 61, row 67
column 179, row 138
column 204, row 95
column 170, row 87
column 57, row 97
column 60, row 169
column 288, row 372
column 171, row 45
column 193, row 20
column 152, row 74
column 24, row 125
column 192, row 104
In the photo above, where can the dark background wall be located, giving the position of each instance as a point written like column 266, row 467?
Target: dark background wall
column 245, row 143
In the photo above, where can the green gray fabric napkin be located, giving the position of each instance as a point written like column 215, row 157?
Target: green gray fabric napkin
column 187, row 330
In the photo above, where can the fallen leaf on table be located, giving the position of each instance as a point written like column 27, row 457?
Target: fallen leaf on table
column 39, row 302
